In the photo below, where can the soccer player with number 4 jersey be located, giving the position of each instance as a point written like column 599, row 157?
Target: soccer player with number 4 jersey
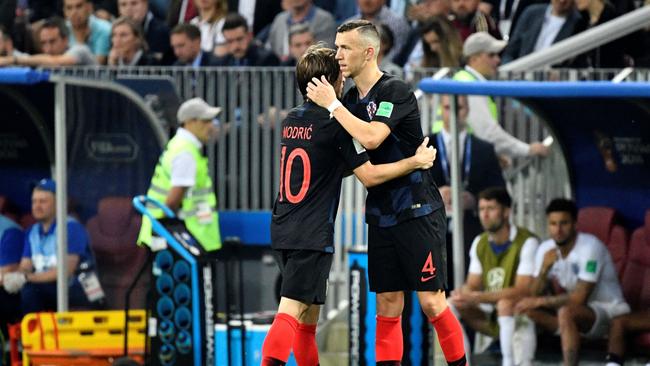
column 316, row 153
column 406, row 218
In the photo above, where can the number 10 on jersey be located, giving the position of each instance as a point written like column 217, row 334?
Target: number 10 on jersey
column 285, row 174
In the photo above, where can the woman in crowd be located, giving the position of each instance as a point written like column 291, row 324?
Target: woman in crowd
column 210, row 21
column 440, row 46
column 129, row 47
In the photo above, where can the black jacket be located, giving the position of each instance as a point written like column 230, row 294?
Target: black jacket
column 207, row 59
column 524, row 36
column 255, row 56
column 484, row 169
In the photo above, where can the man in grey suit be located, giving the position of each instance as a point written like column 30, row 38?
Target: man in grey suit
column 542, row 25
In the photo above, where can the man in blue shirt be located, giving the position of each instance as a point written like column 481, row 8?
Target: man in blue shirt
column 87, row 29
column 11, row 249
column 36, row 278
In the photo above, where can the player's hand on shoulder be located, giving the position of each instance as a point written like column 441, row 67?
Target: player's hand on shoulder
column 425, row 155
column 321, row 92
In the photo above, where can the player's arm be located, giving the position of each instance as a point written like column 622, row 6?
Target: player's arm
column 175, row 197
column 578, row 296
column 46, row 60
column 370, row 135
column 519, row 290
column 545, row 263
column 50, row 275
column 474, row 282
column 371, row 175
column 183, row 176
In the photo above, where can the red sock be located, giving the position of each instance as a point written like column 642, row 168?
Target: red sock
column 304, row 345
column 277, row 344
column 450, row 335
column 389, row 344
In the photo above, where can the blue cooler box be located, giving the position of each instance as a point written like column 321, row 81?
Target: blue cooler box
column 255, row 334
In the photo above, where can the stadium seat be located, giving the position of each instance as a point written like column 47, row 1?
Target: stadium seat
column 597, row 221
column 618, row 246
column 636, row 276
column 26, row 220
column 113, row 233
column 8, row 209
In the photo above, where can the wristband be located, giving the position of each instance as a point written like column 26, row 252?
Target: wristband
column 335, row 104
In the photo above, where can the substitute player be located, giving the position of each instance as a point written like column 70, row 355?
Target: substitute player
column 315, row 153
column 406, row 219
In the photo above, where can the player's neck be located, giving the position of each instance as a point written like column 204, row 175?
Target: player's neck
column 367, row 79
column 568, row 247
column 502, row 235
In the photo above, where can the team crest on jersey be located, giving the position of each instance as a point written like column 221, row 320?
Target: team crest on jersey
column 372, row 109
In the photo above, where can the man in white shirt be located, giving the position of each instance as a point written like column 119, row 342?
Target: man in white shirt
column 481, row 53
column 579, row 269
column 500, row 273
column 541, row 25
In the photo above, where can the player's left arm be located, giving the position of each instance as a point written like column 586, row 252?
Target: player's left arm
column 370, row 135
column 371, row 175
column 581, row 293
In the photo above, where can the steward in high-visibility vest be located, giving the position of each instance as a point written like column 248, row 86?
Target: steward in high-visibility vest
column 181, row 179
column 466, row 74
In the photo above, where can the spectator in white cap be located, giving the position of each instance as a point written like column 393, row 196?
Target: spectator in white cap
column 481, row 55
column 181, row 179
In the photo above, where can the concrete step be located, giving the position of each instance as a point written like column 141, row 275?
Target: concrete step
column 337, row 338
column 333, row 358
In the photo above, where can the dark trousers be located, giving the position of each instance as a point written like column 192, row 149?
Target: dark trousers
column 9, row 310
column 35, row 297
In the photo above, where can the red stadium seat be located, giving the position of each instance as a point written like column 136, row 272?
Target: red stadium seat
column 8, row 209
column 26, row 220
column 636, row 276
column 597, row 221
column 113, row 233
column 618, row 246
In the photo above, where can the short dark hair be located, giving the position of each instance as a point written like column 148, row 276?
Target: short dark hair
column 318, row 60
column 190, row 30
column 56, row 22
column 234, row 20
column 360, row 24
column 563, row 205
column 299, row 28
column 499, row 194
column 387, row 37
column 366, row 30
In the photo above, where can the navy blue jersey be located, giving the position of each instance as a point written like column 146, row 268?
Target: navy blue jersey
column 315, row 153
column 391, row 101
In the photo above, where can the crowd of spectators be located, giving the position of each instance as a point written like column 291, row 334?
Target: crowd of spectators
column 416, row 33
